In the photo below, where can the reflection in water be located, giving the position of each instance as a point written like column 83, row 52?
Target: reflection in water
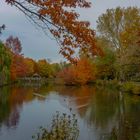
column 103, row 114
column 11, row 100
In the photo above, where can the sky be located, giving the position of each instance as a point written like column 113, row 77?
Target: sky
column 35, row 43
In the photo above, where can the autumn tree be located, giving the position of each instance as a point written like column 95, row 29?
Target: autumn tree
column 61, row 19
column 30, row 66
column 80, row 74
column 18, row 67
column 5, row 61
column 106, row 68
column 56, row 67
column 129, row 60
column 44, row 68
column 120, row 27
column 115, row 21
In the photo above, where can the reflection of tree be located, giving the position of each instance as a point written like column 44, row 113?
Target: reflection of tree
column 45, row 89
column 78, row 97
column 113, row 115
column 4, row 104
column 100, row 105
column 11, row 101
column 13, row 118
column 103, row 108
column 103, row 105
column 130, row 124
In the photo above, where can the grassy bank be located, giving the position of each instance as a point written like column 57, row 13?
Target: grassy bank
column 131, row 87
column 128, row 87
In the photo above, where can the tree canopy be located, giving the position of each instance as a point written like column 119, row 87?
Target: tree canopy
column 119, row 24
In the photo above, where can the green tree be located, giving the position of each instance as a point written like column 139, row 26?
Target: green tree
column 120, row 27
column 115, row 21
column 106, row 65
column 44, row 68
column 129, row 60
column 5, row 62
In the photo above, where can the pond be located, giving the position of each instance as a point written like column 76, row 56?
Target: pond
column 102, row 113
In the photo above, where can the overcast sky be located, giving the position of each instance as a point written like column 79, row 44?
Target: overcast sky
column 37, row 45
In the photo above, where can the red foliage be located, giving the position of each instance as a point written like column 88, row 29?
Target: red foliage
column 18, row 67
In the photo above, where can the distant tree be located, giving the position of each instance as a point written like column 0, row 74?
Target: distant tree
column 106, row 64
column 14, row 44
column 115, row 21
column 30, row 66
column 5, row 62
column 18, row 67
column 55, row 68
column 44, row 68
column 80, row 74
column 128, row 64
column 120, row 27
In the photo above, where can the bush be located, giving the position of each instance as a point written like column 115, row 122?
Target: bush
column 136, row 89
column 128, row 86
column 63, row 127
column 131, row 87
column 100, row 82
column 108, row 83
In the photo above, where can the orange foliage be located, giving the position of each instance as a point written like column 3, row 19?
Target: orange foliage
column 18, row 67
column 60, row 18
column 81, row 74
column 30, row 66
column 21, row 67
column 84, row 71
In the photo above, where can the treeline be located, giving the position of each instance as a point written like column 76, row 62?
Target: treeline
column 13, row 64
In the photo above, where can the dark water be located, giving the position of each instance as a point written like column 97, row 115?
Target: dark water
column 103, row 114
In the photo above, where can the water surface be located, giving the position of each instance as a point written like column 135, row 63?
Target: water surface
column 102, row 113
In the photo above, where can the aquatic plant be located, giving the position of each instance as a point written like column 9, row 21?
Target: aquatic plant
column 63, row 127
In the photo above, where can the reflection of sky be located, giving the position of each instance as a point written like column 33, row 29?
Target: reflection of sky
column 35, row 44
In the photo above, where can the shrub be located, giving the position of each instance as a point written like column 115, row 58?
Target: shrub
column 128, row 87
column 63, row 127
column 131, row 87
column 136, row 89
